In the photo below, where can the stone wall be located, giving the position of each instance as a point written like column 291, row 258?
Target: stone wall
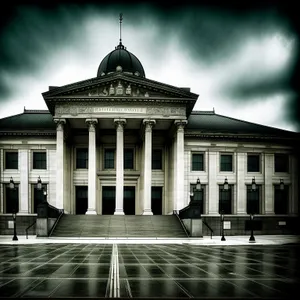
column 22, row 222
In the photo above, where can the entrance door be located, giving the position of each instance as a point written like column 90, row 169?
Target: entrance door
column 38, row 196
column 129, row 200
column 156, row 200
column 81, row 200
column 108, row 200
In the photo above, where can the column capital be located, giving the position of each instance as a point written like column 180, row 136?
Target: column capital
column 149, row 124
column 120, row 123
column 180, row 123
column 91, row 123
column 60, row 124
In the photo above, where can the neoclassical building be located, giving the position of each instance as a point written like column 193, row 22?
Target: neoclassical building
column 122, row 144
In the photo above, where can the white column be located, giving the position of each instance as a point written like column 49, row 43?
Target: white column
column 268, row 172
column 24, row 182
column 240, row 184
column 213, row 189
column 92, row 167
column 147, row 166
column 120, row 123
column 60, row 162
column 179, row 164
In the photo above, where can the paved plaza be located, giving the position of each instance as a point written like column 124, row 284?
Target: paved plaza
column 148, row 269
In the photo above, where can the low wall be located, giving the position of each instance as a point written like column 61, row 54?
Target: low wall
column 22, row 222
column 239, row 225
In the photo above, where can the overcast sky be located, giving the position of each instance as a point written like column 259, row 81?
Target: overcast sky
column 241, row 60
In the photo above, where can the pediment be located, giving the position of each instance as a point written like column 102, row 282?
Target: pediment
column 120, row 85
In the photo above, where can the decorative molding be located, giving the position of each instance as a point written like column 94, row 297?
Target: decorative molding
column 149, row 124
column 180, row 124
column 91, row 123
column 60, row 124
column 120, row 123
column 111, row 108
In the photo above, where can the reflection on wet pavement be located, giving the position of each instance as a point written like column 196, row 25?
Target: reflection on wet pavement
column 145, row 270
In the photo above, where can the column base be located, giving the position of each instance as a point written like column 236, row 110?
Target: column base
column 119, row 213
column 91, row 212
column 147, row 212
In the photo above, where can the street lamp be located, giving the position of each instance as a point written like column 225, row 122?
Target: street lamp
column 281, row 185
column 253, row 185
column 40, row 187
column 226, row 185
column 222, row 222
column 252, row 238
column 14, row 215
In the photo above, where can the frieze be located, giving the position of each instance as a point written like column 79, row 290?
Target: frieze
column 89, row 109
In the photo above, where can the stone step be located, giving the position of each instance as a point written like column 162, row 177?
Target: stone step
column 118, row 226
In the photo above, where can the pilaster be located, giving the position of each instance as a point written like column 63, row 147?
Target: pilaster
column 24, row 182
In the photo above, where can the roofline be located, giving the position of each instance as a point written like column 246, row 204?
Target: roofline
column 198, row 112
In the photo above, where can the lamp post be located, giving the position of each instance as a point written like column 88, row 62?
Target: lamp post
column 40, row 187
column 222, row 222
column 252, row 238
column 225, row 188
column 281, row 185
column 14, row 215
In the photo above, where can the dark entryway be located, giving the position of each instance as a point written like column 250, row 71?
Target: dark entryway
column 108, row 200
column 38, row 196
column 156, row 200
column 81, row 200
column 12, row 200
column 129, row 200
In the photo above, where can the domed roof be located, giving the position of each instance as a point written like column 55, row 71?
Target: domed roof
column 120, row 60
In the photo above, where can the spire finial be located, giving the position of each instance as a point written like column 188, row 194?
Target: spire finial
column 121, row 19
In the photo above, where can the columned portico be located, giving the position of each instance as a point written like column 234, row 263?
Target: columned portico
column 60, row 149
column 179, row 164
column 120, row 123
column 92, row 167
column 147, row 166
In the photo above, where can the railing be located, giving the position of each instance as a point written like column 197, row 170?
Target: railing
column 182, row 225
column 28, row 228
column 60, row 213
column 209, row 228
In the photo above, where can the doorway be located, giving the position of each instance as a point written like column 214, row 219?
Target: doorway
column 108, row 200
column 156, row 200
column 81, row 200
column 129, row 200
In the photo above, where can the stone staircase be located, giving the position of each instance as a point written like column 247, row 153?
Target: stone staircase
column 119, row 226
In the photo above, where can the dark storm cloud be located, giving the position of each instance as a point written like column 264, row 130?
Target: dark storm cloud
column 208, row 32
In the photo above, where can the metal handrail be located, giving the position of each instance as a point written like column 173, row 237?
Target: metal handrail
column 211, row 231
column 28, row 228
column 61, row 212
column 182, row 225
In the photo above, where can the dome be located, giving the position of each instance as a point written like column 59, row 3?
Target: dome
column 120, row 60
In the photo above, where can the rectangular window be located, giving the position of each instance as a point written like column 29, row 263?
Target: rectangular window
column 11, row 160
column 253, row 163
column 39, row 160
column 253, row 200
column 128, row 159
column 156, row 159
column 281, row 162
column 225, row 200
column 109, row 158
column 82, row 158
column 226, row 163
column 281, row 201
column 197, row 162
